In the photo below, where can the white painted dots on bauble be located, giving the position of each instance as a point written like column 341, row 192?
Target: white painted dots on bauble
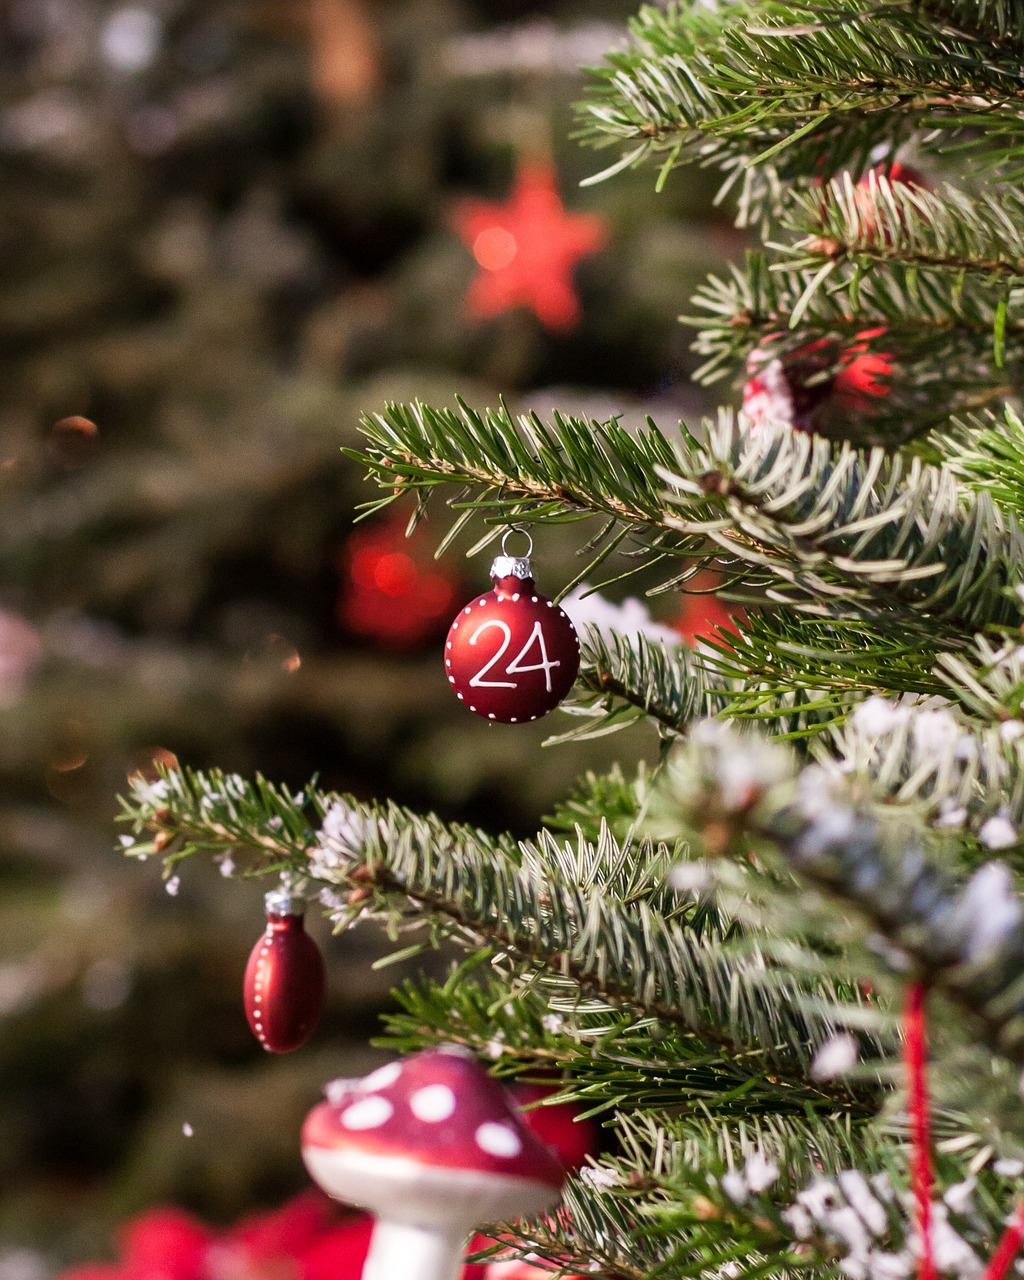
column 382, row 1077
column 433, row 1103
column 257, row 999
column 498, row 1140
column 367, row 1113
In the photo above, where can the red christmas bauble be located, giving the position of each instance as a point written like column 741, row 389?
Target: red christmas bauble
column 512, row 654
column 284, row 980
column 806, row 387
column 865, row 224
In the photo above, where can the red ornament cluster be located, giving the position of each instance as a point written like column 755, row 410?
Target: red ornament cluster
column 511, row 654
column 802, row 388
column 805, row 387
column 284, row 979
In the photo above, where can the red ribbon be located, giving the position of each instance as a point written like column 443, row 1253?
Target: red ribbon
column 915, row 1050
column 915, row 1053
column 1006, row 1249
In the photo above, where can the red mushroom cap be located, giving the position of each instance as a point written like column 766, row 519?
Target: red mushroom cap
column 438, row 1108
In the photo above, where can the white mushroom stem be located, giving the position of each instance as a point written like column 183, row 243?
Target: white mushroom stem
column 402, row 1251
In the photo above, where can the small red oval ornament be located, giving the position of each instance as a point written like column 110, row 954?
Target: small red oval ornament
column 284, row 979
column 512, row 654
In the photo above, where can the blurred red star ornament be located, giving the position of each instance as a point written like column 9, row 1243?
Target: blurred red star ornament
column 526, row 249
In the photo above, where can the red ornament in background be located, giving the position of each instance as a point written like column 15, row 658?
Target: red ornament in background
column 392, row 589
column 702, row 616
column 526, row 249
column 557, row 1125
column 511, row 654
column 865, row 194
column 808, row 385
column 284, row 979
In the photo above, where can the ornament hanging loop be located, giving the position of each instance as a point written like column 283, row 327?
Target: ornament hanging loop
column 516, row 528
column 510, row 566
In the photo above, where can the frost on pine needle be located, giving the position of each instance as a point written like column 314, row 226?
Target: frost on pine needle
column 759, row 1172
column 860, row 1197
column 835, row 1058
column 952, row 816
column 152, row 794
column 627, row 620
column 958, row 1197
column 953, row 1255
column 736, row 771
column 691, row 877
column 936, row 731
column 600, row 1177
column 340, row 841
column 876, row 716
column 998, row 832
column 173, row 885
column 734, row 1185
column 987, row 912
column 756, row 1176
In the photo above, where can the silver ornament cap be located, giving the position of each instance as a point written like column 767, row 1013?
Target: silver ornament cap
column 511, row 567
column 284, row 902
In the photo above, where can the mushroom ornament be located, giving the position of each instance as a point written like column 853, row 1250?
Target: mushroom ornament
column 434, row 1147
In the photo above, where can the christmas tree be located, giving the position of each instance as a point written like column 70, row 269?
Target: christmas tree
column 228, row 229
column 740, row 960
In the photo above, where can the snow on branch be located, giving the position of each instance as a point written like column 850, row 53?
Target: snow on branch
column 581, row 915
column 966, row 938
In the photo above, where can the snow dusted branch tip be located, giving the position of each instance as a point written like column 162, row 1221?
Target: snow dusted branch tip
column 340, row 842
column 627, row 620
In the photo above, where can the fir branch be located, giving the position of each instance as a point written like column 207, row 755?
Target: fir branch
column 589, row 917
column 795, row 82
column 965, row 940
column 671, row 686
column 784, row 660
column 878, row 220
column 995, row 21
column 987, row 452
column 675, row 687
column 989, row 682
column 575, row 468
column 829, row 526
column 929, row 760
column 606, row 1058
column 779, row 1197
column 936, row 329
column 815, row 526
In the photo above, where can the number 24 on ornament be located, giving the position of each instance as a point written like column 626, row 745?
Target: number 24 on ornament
column 512, row 654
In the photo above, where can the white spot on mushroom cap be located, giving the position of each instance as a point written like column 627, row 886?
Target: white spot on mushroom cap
column 498, row 1140
column 433, row 1103
column 338, row 1090
column 382, row 1077
column 367, row 1113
